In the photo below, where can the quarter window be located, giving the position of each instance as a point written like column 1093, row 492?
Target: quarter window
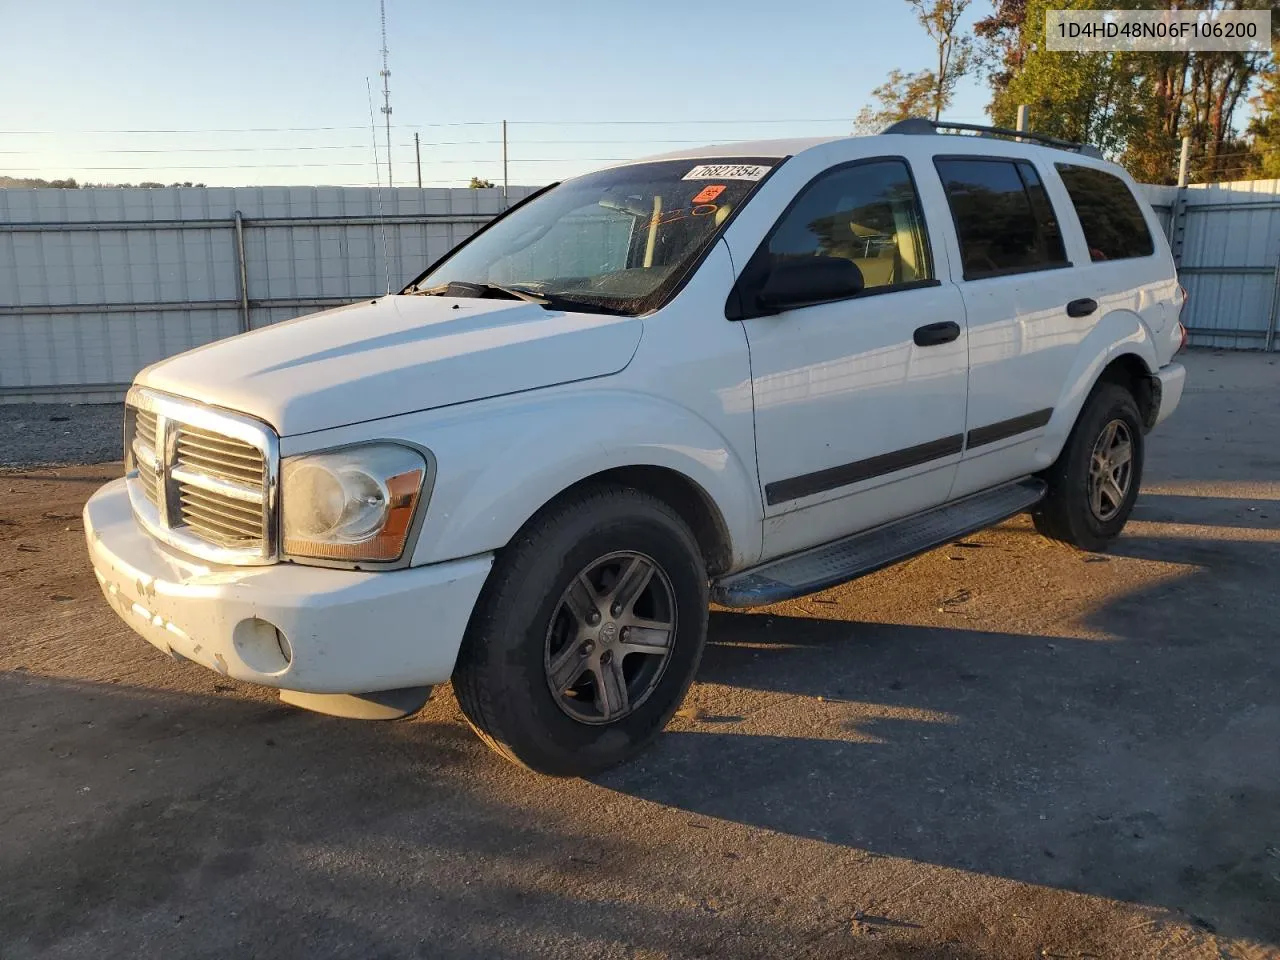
column 1003, row 217
column 1113, row 224
column 866, row 212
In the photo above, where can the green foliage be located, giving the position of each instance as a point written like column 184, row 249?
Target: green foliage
column 1135, row 106
column 478, row 183
column 1097, row 98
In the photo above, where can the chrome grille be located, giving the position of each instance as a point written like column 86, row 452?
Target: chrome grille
column 143, row 446
column 202, row 480
column 231, row 459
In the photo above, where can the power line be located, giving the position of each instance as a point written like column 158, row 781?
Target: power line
column 424, row 126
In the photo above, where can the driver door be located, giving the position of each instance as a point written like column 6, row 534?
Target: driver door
column 860, row 402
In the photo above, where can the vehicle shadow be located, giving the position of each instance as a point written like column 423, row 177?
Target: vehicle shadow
column 146, row 823
column 1141, row 767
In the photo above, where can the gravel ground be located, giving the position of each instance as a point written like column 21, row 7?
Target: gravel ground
column 52, row 434
column 1000, row 749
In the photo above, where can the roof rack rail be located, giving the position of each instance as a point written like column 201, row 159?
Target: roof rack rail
column 920, row 125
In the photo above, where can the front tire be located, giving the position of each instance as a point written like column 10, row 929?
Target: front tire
column 1094, row 482
column 586, row 635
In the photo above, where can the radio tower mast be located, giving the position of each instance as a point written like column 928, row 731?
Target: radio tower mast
column 386, row 90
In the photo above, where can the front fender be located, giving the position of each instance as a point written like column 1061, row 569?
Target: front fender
column 499, row 461
column 497, row 468
column 1117, row 333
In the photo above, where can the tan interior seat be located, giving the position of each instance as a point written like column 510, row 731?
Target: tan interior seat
column 879, row 260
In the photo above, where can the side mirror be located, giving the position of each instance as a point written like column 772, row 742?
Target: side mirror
column 807, row 280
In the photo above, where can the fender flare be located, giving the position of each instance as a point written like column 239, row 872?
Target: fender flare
column 1118, row 333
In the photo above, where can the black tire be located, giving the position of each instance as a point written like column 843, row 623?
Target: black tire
column 501, row 678
column 1068, row 512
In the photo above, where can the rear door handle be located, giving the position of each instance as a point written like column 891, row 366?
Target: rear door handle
column 932, row 334
column 1082, row 307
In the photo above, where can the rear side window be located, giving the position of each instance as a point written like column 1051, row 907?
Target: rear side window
column 1004, row 220
column 1113, row 224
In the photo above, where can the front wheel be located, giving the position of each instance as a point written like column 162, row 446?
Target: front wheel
column 587, row 634
column 1094, row 482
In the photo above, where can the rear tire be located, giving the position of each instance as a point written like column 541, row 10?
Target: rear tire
column 562, row 669
column 1095, row 480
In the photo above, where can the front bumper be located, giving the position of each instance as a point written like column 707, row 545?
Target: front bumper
column 1172, row 378
column 346, row 631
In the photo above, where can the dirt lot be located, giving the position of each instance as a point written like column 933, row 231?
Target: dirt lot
column 999, row 749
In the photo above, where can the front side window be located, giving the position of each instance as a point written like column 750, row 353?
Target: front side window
column 1113, row 224
column 616, row 241
column 1004, row 220
column 867, row 212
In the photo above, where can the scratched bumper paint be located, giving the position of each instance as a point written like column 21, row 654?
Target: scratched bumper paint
column 350, row 631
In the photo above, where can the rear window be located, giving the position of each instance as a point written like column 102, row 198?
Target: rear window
column 1113, row 224
column 1004, row 220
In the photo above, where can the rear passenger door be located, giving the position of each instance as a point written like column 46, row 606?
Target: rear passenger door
column 1016, row 281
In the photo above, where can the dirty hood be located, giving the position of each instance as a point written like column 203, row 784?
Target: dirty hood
column 393, row 355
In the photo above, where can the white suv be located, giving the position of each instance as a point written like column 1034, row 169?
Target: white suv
column 739, row 374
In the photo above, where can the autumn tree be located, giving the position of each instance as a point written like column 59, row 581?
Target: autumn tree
column 926, row 92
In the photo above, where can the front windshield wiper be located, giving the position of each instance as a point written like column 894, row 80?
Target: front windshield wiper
column 551, row 301
column 563, row 301
column 479, row 289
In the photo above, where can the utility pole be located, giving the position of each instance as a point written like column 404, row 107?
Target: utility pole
column 417, row 156
column 504, row 164
column 385, row 73
column 1023, row 111
column 1184, row 161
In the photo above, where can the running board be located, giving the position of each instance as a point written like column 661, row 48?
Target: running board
column 843, row 560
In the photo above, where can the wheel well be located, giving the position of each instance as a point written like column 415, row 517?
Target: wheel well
column 687, row 498
column 1129, row 371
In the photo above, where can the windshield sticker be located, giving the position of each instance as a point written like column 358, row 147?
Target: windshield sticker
column 727, row 171
column 708, row 193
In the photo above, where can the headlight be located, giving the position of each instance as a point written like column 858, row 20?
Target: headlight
column 352, row 504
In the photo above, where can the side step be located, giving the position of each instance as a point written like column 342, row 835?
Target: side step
column 843, row 560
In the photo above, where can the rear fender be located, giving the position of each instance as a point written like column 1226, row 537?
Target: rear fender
column 1119, row 332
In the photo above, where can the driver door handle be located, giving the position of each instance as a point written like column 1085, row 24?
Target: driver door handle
column 932, row 334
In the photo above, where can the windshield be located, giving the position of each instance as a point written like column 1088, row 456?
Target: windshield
column 616, row 241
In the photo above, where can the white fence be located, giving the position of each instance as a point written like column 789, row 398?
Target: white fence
column 95, row 284
column 1226, row 240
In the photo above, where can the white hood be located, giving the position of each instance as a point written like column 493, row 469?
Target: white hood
column 393, row 355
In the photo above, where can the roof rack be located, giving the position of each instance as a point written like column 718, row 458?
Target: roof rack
column 920, row 125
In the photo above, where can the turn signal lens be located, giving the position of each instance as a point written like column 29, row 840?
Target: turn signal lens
column 353, row 504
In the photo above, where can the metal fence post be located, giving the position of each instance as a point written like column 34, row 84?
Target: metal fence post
column 242, row 273
column 1271, row 317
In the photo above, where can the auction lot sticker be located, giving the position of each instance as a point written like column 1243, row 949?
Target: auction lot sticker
column 1102, row 31
column 727, row 171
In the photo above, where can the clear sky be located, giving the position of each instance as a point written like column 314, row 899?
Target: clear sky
column 239, row 90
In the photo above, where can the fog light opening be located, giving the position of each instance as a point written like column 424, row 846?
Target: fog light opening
column 262, row 646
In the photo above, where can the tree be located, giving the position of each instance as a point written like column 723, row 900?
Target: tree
column 928, row 92
column 1135, row 106
column 1264, row 128
column 902, row 96
column 478, row 183
column 941, row 19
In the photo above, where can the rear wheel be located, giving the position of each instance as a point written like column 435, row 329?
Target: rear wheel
column 587, row 634
column 1095, row 481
